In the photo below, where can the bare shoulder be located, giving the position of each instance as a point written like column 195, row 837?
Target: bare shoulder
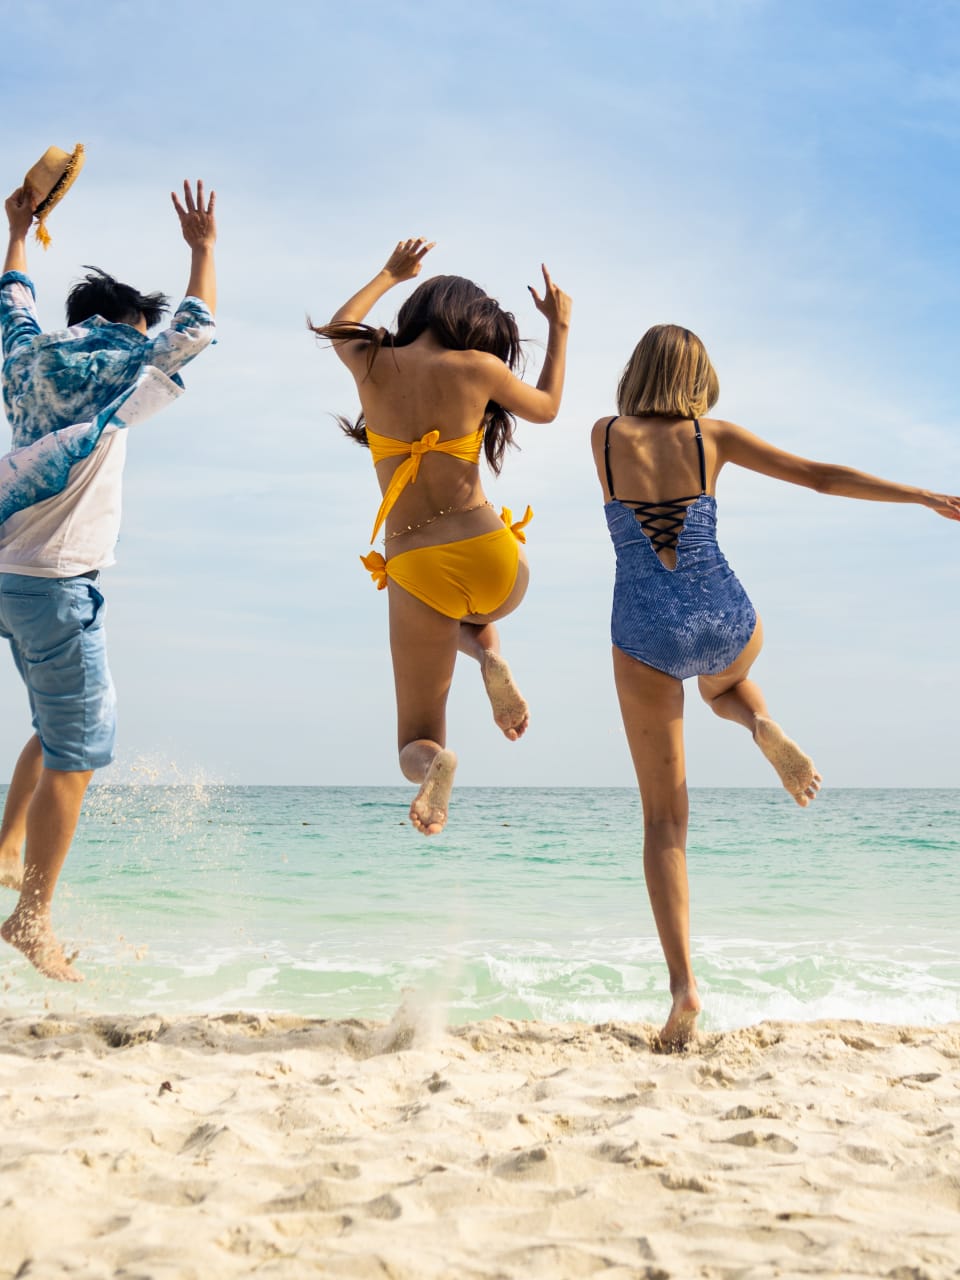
column 482, row 368
column 719, row 427
column 723, row 435
column 353, row 352
column 481, row 361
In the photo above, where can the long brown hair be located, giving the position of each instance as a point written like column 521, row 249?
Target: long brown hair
column 669, row 375
column 461, row 317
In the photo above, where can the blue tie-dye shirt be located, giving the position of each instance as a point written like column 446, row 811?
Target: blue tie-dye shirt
column 65, row 395
column 53, row 380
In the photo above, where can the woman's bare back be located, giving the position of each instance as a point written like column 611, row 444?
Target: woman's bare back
column 409, row 392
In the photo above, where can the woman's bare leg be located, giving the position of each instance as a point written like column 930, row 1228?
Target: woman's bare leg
column 733, row 697
column 13, row 831
column 510, row 710
column 480, row 639
column 423, row 644
column 652, row 707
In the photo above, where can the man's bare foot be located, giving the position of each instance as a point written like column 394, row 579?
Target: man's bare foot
column 428, row 813
column 797, row 771
column 510, row 710
column 33, row 935
column 680, row 1028
column 11, row 872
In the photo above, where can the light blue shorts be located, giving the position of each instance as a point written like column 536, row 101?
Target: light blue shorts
column 55, row 628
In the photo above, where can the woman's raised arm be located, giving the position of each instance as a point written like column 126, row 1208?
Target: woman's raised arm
column 542, row 402
column 403, row 264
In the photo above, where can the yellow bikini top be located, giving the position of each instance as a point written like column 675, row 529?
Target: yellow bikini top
column 467, row 448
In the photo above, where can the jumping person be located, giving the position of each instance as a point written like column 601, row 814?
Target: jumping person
column 436, row 394
column 68, row 396
column 679, row 611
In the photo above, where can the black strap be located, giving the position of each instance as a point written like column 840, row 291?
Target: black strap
column 703, row 457
column 606, row 457
column 703, row 460
column 660, row 521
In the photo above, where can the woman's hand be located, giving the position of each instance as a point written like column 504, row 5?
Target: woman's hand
column 944, row 504
column 407, row 258
column 20, row 206
column 555, row 304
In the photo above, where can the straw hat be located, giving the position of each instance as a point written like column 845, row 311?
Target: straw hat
column 51, row 178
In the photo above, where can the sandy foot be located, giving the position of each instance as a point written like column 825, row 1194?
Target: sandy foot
column 428, row 813
column 35, row 938
column 680, row 1029
column 11, row 873
column 797, row 771
column 510, row 710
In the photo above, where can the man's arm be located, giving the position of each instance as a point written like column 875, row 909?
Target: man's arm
column 192, row 327
column 19, row 207
column 199, row 229
column 18, row 311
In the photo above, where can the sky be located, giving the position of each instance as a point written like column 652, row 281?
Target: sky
column 780, row 178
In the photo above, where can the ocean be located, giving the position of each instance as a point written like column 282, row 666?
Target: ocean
column 324, row 902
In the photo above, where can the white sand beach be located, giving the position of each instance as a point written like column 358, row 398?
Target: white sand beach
column 277, row 1146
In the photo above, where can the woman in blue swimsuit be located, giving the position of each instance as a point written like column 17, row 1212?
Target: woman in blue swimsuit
column 678, row 609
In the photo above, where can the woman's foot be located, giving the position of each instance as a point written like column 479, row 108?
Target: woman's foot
column 796, row 770
column 680, row 1029
column 510, row 710
column 32, row 934
column 428, row 813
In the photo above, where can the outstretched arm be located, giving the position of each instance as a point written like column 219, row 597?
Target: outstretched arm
column 747, row 450
column 542, row 402
column 19, row 207
column 199, row 228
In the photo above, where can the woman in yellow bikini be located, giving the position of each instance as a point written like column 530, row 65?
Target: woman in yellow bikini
column 437, row 393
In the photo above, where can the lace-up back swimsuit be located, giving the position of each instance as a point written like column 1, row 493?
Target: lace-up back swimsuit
column 693, row 619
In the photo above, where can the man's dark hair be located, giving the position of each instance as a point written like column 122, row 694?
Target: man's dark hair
column 99, row 294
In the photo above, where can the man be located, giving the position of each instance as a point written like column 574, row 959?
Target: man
column 69, row 397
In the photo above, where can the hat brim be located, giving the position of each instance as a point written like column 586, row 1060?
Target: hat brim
column 57, row 192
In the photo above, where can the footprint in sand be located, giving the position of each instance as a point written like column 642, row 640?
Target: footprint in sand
column 428, row 813
column 796, row 770
column 510, row 710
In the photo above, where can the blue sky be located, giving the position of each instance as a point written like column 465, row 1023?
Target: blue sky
column 779, row 177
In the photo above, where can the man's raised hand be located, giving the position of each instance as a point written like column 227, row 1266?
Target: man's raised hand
column 197, row 222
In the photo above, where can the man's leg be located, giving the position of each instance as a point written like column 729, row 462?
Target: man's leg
column 60, row 650
column 13, row 830
column 52, row 816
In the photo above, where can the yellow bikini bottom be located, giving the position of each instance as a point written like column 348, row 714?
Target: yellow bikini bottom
column 474, row 575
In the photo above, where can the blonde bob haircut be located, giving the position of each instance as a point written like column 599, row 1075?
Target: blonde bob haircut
column 669, row 375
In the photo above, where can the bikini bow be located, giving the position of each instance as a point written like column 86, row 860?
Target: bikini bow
column 405, row 474
column 419, row 447
column 376, row 566
column 517, row 529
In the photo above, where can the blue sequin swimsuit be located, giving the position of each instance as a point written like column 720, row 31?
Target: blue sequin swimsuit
column 688, row 621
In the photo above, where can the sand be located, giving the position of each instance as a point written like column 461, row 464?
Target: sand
column 277, row 1146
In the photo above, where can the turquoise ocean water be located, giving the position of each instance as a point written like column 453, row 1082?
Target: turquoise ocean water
column 324, row 902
